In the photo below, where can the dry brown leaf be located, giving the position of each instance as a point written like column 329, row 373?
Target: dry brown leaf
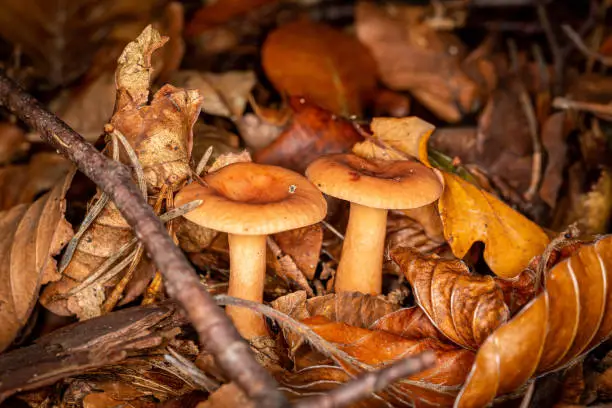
column 313, row 132
column 134, row 70
column 161, row 135
column 410, row 323
column 592, row 210
column 412, row 56
column 303, row 245
column 30, row 235
column 470, row 215
column 13, row 142
column 465, row 307
column 23, row 183
column 572, row 315
column 223, row 94
column 62, row 38
column 326, row 66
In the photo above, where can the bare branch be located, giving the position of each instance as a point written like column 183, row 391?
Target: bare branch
column 216, row 332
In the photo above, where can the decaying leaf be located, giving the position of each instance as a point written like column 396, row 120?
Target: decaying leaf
column 161, row 135
column 303, row 245
column 465, row 307
column 364, row 342
column 227, row 396
column 31, row 235
column 324, row 65
column 590, row 210
column 554, row 134
column 223, row 94
column 313, row 132
column 412, row 56
column 23, row 183
column 470, row 215
column 568, row 319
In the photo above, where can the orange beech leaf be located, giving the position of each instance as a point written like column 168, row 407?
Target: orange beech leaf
column 312, row 133
column 466, row 308
column 328, row 67
column 30, row 235
column 372, row 332
column 572, row 315
column 470, row 214
column 413, row 56
column 433, row 387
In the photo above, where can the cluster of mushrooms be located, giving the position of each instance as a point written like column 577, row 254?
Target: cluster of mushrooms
column 249, row 201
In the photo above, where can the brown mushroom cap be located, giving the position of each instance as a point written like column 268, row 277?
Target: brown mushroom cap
column 254, row 199
column 393, row 185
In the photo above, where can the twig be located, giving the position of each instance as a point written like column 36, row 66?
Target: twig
column 368, row 383
column 579, row 43
column 214, row 328
column 596, row 108
column 556, row 51
column 332, row 229
column 204, row 161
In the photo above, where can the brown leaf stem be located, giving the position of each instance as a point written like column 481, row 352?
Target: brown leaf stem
column 214, row 328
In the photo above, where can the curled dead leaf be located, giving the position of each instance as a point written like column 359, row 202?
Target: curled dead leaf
column 30, row 235
column 465, row 307
column 313, row 132
column 412, row 56
column 324, row 65
column 572, row 315
column 13, row 142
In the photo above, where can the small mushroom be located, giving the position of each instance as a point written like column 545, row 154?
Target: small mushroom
column 373, row 187
column 250, row 201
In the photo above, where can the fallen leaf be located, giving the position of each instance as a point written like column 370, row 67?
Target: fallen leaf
column 394, row 138
column 24, row 183
column 567, row 320
column 470, row 215
column 31, row 234
column 465, row 307
column 410, row 323
column 13, row 142
column 326, row 66
column 227, row 396
column 286, row 268
column 303, row 245
column 313, row 132
column 223, row 94
column 229, row 158
column 390, row 103
column 412, row 56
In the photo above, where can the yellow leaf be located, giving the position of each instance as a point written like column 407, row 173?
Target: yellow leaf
column 469, row 214
column 394, row 138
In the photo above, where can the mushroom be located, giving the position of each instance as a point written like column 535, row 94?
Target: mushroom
column 373, row 187
column 250, row 201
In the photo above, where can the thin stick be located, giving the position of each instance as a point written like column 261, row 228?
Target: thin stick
column 214, row 328
column 117, row 292
column 368, row 383
column 186, row 367
column 596, row 108
column 204, row 160
column 332, row 229
column 555, row 49
column 140, row 179
column 579, row 43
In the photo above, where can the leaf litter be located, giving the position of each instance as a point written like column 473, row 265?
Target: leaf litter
column 505, row 278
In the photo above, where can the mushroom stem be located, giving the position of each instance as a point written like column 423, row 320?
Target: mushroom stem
column 247, row 275
column 360, row 268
